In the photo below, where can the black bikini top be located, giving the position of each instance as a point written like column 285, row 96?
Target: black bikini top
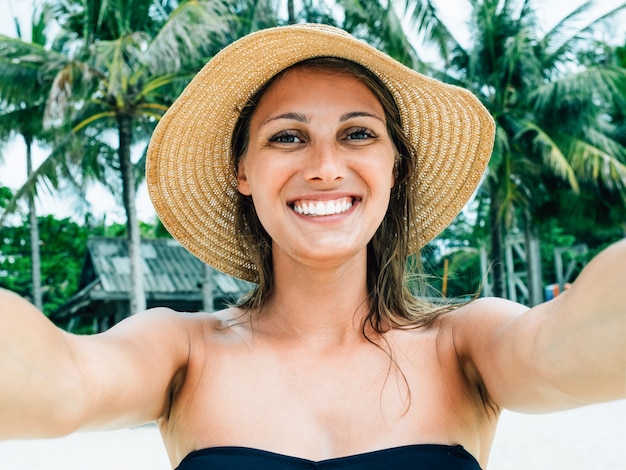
column 411, row 457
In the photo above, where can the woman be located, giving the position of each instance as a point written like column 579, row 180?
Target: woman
column 310, row 163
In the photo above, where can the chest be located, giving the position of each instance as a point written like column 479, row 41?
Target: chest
column 318, row 405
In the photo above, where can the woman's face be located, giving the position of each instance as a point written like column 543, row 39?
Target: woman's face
column 319, row 166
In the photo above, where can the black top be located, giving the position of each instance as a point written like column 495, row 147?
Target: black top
column 411, row 457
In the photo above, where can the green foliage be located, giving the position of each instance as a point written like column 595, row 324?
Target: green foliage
column 146, row 229
column 552, row 237
column 62, row 245
column 559, row 126
column 5, row 196
column 63, row 248
column 551, row 98
column 458, row 247
column 592, row 216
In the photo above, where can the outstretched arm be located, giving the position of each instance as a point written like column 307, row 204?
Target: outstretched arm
column 53, row 383
column 568, row 352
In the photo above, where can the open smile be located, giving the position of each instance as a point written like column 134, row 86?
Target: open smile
column 320, row 208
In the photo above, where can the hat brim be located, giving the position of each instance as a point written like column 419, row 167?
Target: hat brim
column 191, row 179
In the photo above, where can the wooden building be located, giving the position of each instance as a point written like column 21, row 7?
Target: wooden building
column 172, row 278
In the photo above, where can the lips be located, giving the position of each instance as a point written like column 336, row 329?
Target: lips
column 321, row 208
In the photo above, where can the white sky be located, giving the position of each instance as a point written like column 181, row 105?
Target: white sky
column 13, row 172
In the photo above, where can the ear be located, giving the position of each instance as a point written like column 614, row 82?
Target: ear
column 242, row 179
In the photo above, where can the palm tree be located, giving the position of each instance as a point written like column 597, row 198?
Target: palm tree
column 137, row 55
column 23, row 91
column 545, row 106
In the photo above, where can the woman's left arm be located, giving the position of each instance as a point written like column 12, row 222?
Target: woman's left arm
column 568, row 352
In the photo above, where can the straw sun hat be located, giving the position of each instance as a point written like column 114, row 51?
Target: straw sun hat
column 191, row 178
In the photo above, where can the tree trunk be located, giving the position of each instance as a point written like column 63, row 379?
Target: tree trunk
column 35, row 253
column 497, row 247
column 533, row 261
column 208, row 289
column 137, row 295
column 291, row 12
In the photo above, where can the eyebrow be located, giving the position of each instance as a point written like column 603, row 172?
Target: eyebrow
column 294, row 116
column 302, row 118
column 354, row 114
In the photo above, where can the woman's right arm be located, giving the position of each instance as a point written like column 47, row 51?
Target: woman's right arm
column 53, row 383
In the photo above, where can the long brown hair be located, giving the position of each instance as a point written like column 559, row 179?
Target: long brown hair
column 391, row 303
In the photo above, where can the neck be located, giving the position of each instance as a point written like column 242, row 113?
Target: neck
column 323, row 305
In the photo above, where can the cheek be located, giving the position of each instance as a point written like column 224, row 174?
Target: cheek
column 389, row 167
column 263, row 185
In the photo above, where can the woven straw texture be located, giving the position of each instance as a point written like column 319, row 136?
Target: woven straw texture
column 190, row 177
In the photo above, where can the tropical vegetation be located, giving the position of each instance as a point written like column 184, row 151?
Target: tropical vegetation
column 557, row 100
column 91, row 94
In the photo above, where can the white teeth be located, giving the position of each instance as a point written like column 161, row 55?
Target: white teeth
column 320, row 208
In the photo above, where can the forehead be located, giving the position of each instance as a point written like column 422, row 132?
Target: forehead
column 312, row 74
column 318, row 83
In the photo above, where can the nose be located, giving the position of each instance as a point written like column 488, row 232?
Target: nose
column 324, row 163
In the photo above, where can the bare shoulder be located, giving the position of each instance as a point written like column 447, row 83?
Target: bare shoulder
column 158, row 326
column 478, row 320
column 216, row 326
column 172, row 326
column 476, row 331
column 484, row 313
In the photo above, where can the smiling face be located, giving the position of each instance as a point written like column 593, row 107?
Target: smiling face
column 318, row 166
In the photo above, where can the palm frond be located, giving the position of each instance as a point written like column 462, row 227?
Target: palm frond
column 155, row 83
column 117, row 60
column 424, row 20
column 574, row 93
column 44, row 174
column 551, row 153
column 26, row 69
column 69, row 85
column 379, row 25
column 601, row 164
column 193, row 32
column 565, row 37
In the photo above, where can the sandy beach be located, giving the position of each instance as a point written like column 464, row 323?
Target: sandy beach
column 591, row 438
